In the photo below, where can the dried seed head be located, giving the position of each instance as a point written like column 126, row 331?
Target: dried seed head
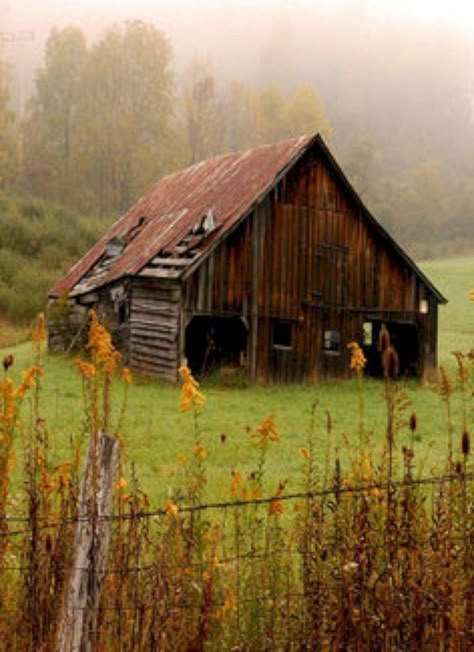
column 465, row 443
column 7, row 362
column 458, row 468
column 445, row 385
column 384, row 338
column 390, row 363
column 328, row 422
column 413, row 422
column 48, row 543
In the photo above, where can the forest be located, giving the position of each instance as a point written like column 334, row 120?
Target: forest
column 106, row 117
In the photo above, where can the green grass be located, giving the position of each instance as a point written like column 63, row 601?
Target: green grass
column 454, row 277
column 155, row 432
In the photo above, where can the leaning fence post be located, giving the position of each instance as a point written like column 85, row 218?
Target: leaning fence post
column 82, row 599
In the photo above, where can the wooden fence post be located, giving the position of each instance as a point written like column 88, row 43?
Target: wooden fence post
column 81, row 603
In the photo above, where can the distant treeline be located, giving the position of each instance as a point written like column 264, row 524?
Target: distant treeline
column 105, row 120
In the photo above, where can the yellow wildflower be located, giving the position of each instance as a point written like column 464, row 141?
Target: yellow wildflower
column 236, row 482
column 171, row 509
column 86, row 369
column 200, row 452
column 471, row 295
column 39, row 331
column 276, row 508
column 190, row 394
column 358, row 359
column 29, row 380
column 305, row 453
column 126, row 375
column 100, row 344
column 229, row 604
column 121, row 484
column 266, row 432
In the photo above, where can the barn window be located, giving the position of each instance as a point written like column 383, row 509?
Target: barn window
column 332, row 341
column 367, row 333
column 282, row 334
column 424, row 306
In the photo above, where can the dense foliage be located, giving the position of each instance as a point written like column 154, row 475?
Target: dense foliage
column 38, row 242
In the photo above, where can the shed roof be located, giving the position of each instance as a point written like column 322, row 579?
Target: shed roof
column 184, row 214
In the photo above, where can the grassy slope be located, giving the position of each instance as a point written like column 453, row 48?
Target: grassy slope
column 155, row 432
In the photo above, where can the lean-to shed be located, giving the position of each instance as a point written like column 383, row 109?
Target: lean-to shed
column 266, row 260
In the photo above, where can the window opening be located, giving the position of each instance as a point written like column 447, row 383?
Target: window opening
column 424, row 306
column 332, row 341
column 367, row 333
column 122, row 312
column 282, row 335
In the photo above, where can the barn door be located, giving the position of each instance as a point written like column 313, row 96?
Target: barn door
column 332, row 274
column 331, row 281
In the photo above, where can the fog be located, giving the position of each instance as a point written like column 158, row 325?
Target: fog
column 395, row 74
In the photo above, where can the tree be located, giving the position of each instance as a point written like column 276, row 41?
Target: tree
column 241, row 108
column 8, row 149
column 273, row 116
column 124, row 130
column 306, row 114
column 362, row 166
column 201, row 114
column 51, row 125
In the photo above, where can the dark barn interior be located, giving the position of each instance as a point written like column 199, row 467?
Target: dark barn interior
column 213, row 342
column 404, row 337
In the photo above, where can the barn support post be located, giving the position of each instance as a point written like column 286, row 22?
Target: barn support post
column 253, row 340
column 78, row 624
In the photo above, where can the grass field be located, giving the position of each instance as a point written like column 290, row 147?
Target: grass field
column 155, row 432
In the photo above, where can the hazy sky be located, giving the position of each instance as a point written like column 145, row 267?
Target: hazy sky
column 230, row 34
column 20, row 14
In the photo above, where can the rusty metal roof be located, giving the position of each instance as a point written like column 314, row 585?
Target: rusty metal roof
column 164, row 232
column 228, row 186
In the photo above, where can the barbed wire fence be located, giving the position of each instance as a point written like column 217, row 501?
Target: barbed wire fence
column 232, row 563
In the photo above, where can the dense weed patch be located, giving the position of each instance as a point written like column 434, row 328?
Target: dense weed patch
column 369, row 554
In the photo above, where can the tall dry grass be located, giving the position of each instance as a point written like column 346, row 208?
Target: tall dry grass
column 368, row 557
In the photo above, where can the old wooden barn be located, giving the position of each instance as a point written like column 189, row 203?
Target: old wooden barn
column 265, row 260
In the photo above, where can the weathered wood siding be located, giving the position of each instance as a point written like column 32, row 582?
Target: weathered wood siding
column 68, row 319
column 154, row 327
column 309, row 255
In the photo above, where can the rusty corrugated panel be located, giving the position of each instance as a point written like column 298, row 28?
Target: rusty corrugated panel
column 228, row 185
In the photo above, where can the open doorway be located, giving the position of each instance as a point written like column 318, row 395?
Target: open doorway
column 213, row 342
column 403, row 337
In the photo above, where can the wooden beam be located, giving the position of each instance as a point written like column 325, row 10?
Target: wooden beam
column 77, row 629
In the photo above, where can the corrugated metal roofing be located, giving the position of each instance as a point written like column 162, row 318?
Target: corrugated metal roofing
column 165, row 217
column 228, row 185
